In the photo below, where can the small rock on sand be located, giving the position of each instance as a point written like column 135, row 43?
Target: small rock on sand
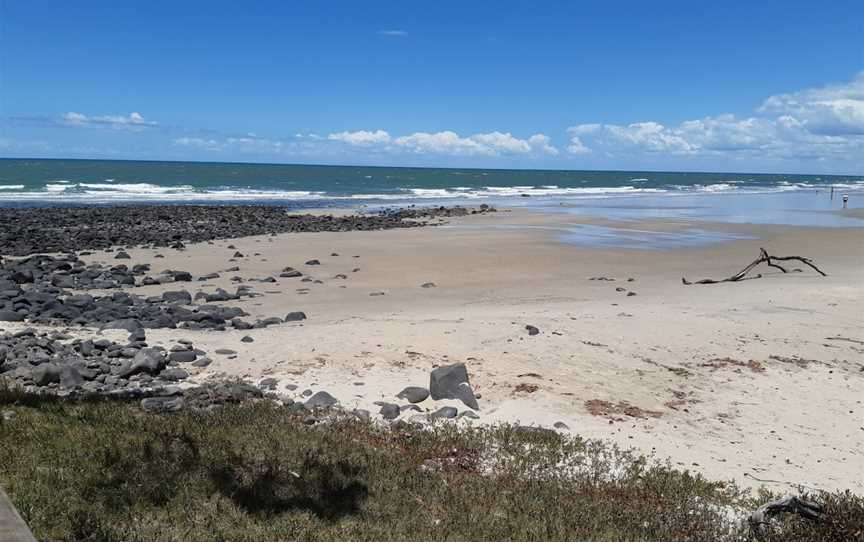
column 413, row 394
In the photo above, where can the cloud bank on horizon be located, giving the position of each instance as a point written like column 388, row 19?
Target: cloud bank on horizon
column 817, row 125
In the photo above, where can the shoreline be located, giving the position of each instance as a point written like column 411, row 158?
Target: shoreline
column 598, row 352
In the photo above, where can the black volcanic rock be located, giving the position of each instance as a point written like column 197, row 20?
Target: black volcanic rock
column 25, row 231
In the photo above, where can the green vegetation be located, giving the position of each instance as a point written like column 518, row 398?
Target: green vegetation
column 107, row 471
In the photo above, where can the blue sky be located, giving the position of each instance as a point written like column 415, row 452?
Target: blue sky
column 731, row 86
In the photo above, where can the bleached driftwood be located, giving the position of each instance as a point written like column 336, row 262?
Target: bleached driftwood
column 765, row 258
column 789, row 504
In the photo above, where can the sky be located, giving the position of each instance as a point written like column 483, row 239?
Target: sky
column 767, row 86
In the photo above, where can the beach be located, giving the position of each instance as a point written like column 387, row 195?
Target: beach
column 756, row 381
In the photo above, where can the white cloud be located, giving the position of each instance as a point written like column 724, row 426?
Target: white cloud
column 132, row 121
column 542, row 143
column 822, row 123
column 445, row 142
column 362, row 138
column 489, row 144
column 833, row 110
column 394, row 33
column 249, row 143
column 199, row 143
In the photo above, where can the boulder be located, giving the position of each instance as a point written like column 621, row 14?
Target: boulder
column 7, row 315
column 70, row 378
column 451, row 382
column 46, row 373
column 148, row 360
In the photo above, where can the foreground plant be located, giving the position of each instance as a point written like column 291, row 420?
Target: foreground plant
column 107, row 471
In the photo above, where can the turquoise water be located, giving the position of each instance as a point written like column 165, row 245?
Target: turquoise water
column 728, row 197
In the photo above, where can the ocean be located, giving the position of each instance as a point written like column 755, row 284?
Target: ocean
column 616, row 194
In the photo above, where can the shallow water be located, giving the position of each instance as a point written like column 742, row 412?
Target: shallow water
column 799, row 208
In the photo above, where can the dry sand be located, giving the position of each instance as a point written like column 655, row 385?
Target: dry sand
column 758, row 381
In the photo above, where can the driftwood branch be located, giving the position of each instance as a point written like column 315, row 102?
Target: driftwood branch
column 765, row 258
column 790, row 504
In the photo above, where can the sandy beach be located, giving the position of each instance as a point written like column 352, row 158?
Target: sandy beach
column 757, row 381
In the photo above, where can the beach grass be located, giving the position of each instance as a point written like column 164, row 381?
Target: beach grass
column 257, row 471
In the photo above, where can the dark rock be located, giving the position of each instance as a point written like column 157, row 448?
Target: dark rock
column 225, row 352
column 174, row 374
column 268, row 384
column 181, row 297
column 129, row 324
column 428, row 285
column 389, row 411
column 45, row 374
column 122, row 255
column 58, row 229
column 70, row 378
column 451, row 382
column 295, row 316
column 237, row 323
column 183, row 356
column 560, row 425
column 247, row 339
column 273, row 320
column 322, row 399
column 313, row 262
column 413, row 394
column 202, row 362
column 148, row 360
column 444, row 413
column 11, row 316
column 532, row 330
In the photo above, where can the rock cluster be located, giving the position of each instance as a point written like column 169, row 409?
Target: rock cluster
column 36, row 290
column 25, row 231
column 56, row 364
column 70, row 272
